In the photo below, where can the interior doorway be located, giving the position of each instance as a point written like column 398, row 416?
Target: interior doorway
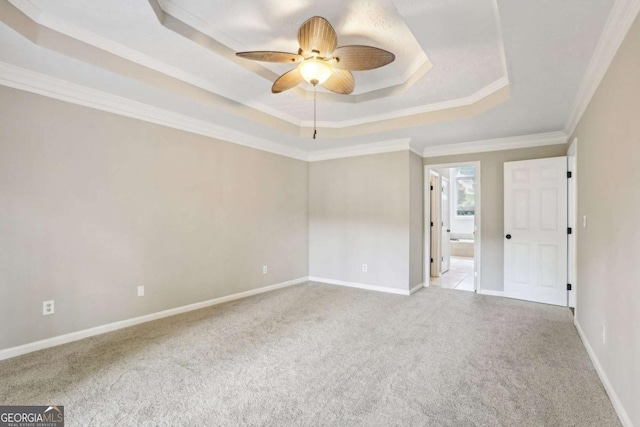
column 452, row 218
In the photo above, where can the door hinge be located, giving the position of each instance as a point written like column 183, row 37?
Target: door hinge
column 569, row 174
column 568, row 286
column 432, row 223
column 431, row 260
column 569, row 230
column 432, row 188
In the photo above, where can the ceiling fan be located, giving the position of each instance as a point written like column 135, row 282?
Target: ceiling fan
column 320, row 61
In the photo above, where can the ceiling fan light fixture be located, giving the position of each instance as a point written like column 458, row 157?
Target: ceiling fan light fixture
column 315, row 71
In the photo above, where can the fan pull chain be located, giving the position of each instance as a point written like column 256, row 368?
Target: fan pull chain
column 315, row 93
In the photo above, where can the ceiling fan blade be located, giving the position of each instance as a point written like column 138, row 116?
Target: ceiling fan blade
column 287, row 81
column 360, row 58
column 316, row 34
column 270, row 56
column 341, row 81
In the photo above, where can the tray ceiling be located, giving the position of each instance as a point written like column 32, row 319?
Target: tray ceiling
column 463, row 70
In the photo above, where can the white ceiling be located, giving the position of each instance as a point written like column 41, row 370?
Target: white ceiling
column 464, row 70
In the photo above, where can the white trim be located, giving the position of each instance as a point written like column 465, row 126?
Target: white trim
column 574, row 223
column 31, row 81
column 615, row 400
column 621, row 17
column 415, row 148
column 498, row 144
column 403, row 144
column 416, row 288
column 491, row 293
column 477, row 246
column 361, row 286
column 474, row 98
column 98, row 330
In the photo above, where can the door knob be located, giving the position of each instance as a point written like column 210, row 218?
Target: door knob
column 508, row 236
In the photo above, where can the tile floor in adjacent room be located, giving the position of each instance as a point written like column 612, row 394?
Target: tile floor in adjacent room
column 459, row 276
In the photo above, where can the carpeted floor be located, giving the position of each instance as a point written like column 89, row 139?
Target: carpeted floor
column 324, row 355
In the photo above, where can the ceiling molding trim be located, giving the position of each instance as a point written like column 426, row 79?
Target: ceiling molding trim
column 31, row 81
column 485, row 92
column 391, row 146
column 498, row 144
column 415, row 148
column 622, row 16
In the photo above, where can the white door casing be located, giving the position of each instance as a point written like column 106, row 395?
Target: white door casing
column 445, row 240
column 572, row 220
column 535, row 228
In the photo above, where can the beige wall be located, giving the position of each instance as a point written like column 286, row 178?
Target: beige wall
column 608, row 286
column 359, row 214
column 94, row 204
column 416, row 212
column 492, row 215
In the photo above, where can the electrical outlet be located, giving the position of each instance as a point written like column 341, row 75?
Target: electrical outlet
column 364, row 268
column 48, row 307
column 140, row 291
column 604, row 335
column 265, row 269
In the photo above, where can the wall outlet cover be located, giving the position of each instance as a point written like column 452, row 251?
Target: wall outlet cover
column 48, row 307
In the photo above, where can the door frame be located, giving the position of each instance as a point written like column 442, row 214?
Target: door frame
column 443, row 222
column 477, row 220
column 573, row 222
column 435, row 232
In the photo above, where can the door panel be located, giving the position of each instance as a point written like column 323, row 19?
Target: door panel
column 434, row 181
column 446, row 226
column 535, row 220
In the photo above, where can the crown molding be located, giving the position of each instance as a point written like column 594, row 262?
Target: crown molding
column 622, row 16
column 415, row 148
column 483, row 93
column 31, row 81
column 498, row 144
column 135, row 64
column 391, row 146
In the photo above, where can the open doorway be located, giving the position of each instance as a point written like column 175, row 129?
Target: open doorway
column 452, row 217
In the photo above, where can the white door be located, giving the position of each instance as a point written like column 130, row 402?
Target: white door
column 435, row 224
column 445, row 240
column 535, row 227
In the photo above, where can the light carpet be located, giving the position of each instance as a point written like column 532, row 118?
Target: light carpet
column 322, row 355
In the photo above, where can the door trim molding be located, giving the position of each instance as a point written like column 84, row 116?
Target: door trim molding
column 574, row 223
column 477, row 220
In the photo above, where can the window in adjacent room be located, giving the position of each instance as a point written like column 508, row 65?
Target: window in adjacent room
column 465, row 191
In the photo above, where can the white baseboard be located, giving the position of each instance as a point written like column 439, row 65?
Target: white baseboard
column 361, row 286
column 491, row 293
column 75, row 336
column 416, row 288
column 615, row 401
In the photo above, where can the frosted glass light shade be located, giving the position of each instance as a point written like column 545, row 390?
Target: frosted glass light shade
column 315, row 71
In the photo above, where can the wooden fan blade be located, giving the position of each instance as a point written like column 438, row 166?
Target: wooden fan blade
column 316, row 34
column 287, row 81
column 341, row 81
column 360, row 58
column 270, row 56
